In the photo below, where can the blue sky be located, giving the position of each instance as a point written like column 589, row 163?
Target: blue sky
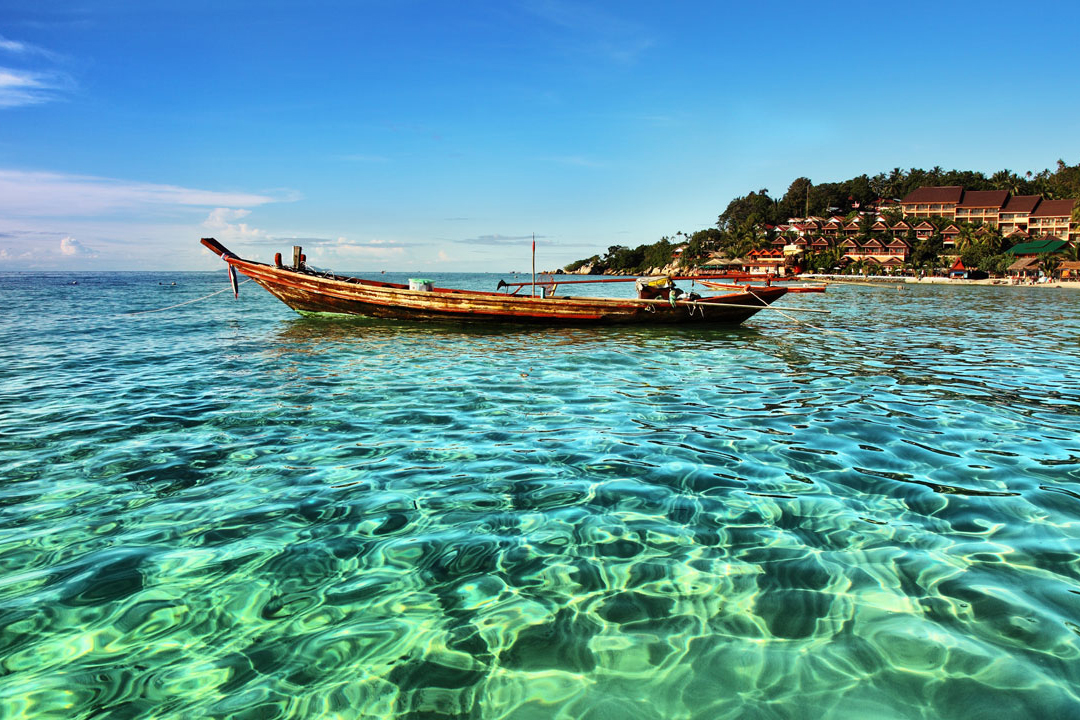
column 405, row 135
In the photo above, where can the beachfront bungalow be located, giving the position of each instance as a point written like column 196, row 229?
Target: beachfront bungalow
column 1069, row 270
column 766, row 262
column 874, row 251
column 1054, row 217
column 850, row 248
column 898, row 249
column 924, row 230
column 1014, row 216
column 800, row 243
column 900, row 228
column 928, row 202
column 949, row 235
column 981, row 206
column 873, row 246
column 718, row 262
column 1027, row 263
column 1024, row 267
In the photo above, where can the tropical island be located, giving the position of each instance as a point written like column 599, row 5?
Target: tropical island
column 915, row 222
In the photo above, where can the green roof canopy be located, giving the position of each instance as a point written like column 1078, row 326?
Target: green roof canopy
column 1037, row 247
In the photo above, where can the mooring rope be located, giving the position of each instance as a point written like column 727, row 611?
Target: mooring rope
column 186, row 302
column 792, row 318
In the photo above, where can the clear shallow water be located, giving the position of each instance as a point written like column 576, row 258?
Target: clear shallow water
column 229, row 510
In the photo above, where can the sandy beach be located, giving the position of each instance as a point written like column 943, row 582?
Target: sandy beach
column 884, row 279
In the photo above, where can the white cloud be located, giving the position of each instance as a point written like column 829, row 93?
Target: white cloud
column 220, row 221
column 44, row 194
column 25, row 87
column 8, row 256
column 21, row 48
column 31, row 85
column 71, row 247
column 344, row 250
column 589, row 30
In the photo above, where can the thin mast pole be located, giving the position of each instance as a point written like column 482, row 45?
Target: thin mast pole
column 534, row 266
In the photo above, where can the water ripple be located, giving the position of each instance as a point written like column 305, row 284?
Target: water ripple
column 232, row 511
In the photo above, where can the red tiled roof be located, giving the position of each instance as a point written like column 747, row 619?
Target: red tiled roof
column 941, row 194
column 924, row 226
column 1021, row 203
column 984, row 198
column 1054, row 208
column 951, row 230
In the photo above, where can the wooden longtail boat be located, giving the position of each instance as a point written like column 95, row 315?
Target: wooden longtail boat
column 310, row 292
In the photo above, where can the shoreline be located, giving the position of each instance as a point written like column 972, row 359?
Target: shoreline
column 885, row 279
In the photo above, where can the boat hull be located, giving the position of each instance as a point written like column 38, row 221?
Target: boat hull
column 309, row 293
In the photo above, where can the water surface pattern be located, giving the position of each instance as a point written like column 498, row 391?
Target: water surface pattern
column 228, row 510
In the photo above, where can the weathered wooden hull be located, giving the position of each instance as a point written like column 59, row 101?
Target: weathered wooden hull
column 306, row 292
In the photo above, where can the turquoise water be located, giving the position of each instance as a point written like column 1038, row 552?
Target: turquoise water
column 226, row 510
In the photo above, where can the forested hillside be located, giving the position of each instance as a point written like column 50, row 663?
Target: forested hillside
column 747, row 221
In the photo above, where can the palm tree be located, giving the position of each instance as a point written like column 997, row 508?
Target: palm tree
column 966, row 237
column 993, row 241
column 1049, row 263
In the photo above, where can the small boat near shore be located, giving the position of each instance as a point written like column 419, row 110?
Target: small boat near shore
column 308, row 291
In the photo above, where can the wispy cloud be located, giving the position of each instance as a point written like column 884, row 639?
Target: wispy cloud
column 343, row 250
column 16, row 47
column 44, row 194
column 594, row 31
column 25, row 87
column 362, row 158
column 43, row 249
column 496, row 240
column 575, row 161
column 37, row 82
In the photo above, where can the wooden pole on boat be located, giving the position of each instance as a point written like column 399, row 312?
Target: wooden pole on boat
column 534, row 266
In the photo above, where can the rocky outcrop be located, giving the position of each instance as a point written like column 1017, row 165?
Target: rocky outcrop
column 590, row 269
